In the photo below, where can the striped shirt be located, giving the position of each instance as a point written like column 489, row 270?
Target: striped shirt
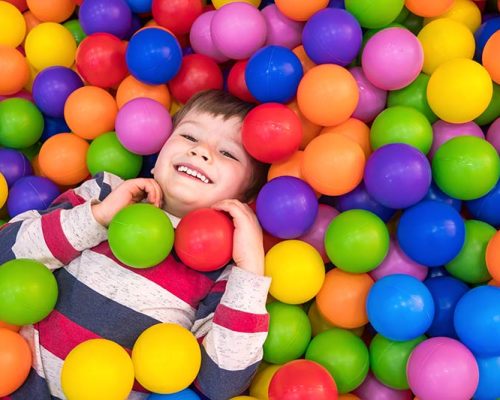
column 99, row 297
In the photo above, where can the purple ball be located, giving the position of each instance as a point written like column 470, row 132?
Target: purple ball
column 443, row 131
column 398, row 175
column 287, row 207
column 371, row 99
column 14, row 165
column 110, row 16
column 52, row 87
column 281, row 30
column 493, row 135
column 31, row 193
column 200, row 37
column 332, row 36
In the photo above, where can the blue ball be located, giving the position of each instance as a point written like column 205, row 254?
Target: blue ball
column 53, row 126
column 140, row 6
column 487, row 208
column 437, row 272
column 400, row 307
column 336, row 4
column 273, row 74
column 431, row 233
column 483, row 33
column 446, row 292
column 477, row 320
column 31, row 193
column 186, row 394
column 153, row 56
column 489, row 382
column 436, row 194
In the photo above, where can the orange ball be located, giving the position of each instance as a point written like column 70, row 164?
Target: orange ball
column 13, row 328
column 62, row 159
column 493, row 256
column 14, row 70
column 31, row 20
column 342, row 298
column 333, row 164
column 15, row 361
column 130, row 88
column 493, row 282
column 354, row 129
column 300, row 10
column 328, row 95
column 52, row 10
column 289, row 167
column 348, row 396
column 309, row 130
column 306, row 62
column 428, row 8
column 90, row 111
column 491, row 60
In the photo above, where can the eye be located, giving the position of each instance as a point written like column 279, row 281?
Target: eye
column 189, row 137
column 228, row 154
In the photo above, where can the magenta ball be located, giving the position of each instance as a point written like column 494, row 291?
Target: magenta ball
column 238, row 30
column 22, row 94
column 371, row 98
column 143, row 126
column 442, row 368
column 392, row 58
column 443, row 131
column 372, row 389
column 281, row 30
column 493, row 134
column 200, row 37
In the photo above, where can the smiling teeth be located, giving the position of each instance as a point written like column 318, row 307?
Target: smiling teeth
column 188, row 171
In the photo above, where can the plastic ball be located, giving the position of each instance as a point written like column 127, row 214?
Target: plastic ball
column 289, row 333
column 105, row 16
column 306, row 62
column 53, row 126
column 260, row 383
column 372, row 99
column 54, row 11
column 21, row 123
column 143, row 115
column 299, row 10
column 141, row 235
column 297, row 271
column 140, row 6
column 200, row 37
column 236, row 83
column 219, row 3
column 373, row 389
column 130, row 88
column 75, row 29
column 353, row 129
column 14, row 70
column 288, row 167
column 374, row 15
column 97, row 367
column 15, row 361
column 464, row 11
column 327, row 95
column 281, row 30
column 309, row 129
column 167, row 358
column 435, row 194
column 486, row 208
column 493, row 134
column 489, row 60
column 444, row 131
column 28, row 292
column 318, row 323
column 466, row 180
column 442, row 367
column 186, row 394
column 12, row 25
column 14, row 165
column 31, row 193
column 301, row 379
column 153, row 56
column 4, row 190
column 485, row 31
column 392, row 58
column 176, row 16
column 428, row 8
column 489, row 368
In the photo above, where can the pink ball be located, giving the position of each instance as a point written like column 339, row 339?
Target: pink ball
column 442, row 368
column 371, row 99
column 238, row 30
column 281, row 30
column 493, row 134
column 143, row 126
column 443, row 131
column 22, row 94
column 315, row 236
column 372, row 389
column 396, row 262
column 392, row 58
column 200, row 37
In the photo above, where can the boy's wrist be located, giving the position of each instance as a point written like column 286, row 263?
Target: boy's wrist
column 97, row 213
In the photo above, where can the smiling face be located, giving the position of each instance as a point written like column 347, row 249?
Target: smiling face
column 202, row 163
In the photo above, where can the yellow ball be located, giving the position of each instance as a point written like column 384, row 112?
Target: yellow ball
column 444, row 40
column 50, row 44
column 4, row 190
column 166, row 358
column 459, row 91
column 464, row 11
column 12, row 25
column 97, row 369
column 220, row 3
column 259, row 387
column 297, row 271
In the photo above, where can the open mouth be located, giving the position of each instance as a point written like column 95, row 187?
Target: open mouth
column 189, row 172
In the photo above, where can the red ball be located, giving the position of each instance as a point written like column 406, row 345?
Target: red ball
column 198, row 72
column 236, row 84
column 177, row 15
column 271, row 132
column 100, row 60
column 302, row 379
column 204, row 239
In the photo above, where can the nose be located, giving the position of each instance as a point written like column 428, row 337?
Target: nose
column 200, row 151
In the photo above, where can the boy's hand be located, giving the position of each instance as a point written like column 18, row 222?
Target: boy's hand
column 129, row 192
column 248, row 248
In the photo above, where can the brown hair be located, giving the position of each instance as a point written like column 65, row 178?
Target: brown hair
column 220, row 103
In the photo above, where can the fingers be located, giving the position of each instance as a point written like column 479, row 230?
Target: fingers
column 150, row 189
column 236, row 209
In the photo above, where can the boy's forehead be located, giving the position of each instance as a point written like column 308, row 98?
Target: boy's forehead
column 214, row 124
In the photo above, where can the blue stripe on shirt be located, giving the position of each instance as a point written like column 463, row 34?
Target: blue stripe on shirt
column 8, row 237
column 34, row 388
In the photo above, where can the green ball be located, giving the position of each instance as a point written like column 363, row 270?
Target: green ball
column 492, row 112
column 28, row 292
column 106, row 153
column 402, row 15
column 388, row 360
column 357, row 241
column 414, row 95
column 466, row 167
column 374, row 14
column 2, row 222
column 21, row 123
column 401, row 124
column 343, row 354
column 470, row 264
column 76, row 30
column 414, row 23
column 32, row 151
column 289, row 333
column 141, row 235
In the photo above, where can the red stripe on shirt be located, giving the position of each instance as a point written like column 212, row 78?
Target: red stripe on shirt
column 240, row 321
column 71, row 197
column 55, row 238
column 219, row 287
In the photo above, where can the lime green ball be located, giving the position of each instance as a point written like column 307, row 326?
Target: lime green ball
column 21, row 123
column 466, row 167
column 289, row 333
column 402, row 15
column 401, row 124
column 414, row 95
column 76, row 30
column 374, row 13
column 141, row 235
column 492, row 112
column 388, row 360
column 357, row 241
column 28, row 292
column 470, row 264
column 414, row 23
column 2, row 222
column 32, row 151
column 106, row 153
column 343, row 354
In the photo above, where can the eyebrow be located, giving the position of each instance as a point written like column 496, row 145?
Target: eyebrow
column 199, row 125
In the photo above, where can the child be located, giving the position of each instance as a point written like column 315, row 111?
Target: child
column 203, row 164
